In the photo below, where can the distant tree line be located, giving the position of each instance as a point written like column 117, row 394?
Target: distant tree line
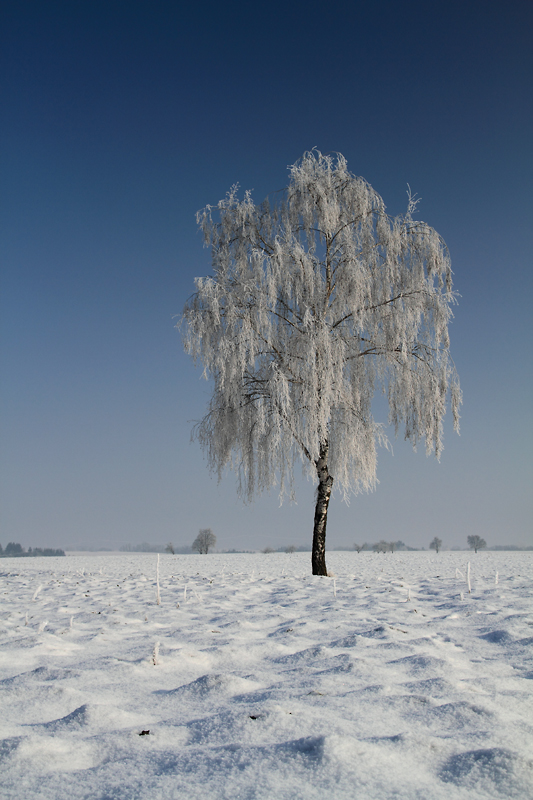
column 15, row 550
column 204, row 540
column 510, row 547
column 474, row 542
column 154, row 548
column 383, row 547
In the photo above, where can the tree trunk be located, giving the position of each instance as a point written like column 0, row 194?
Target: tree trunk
column 323, row 493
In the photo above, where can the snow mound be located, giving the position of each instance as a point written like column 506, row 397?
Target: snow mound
column 497, row 637
column 92, row 715
column 217, row 684
column 420, row 663
column 495, row 772
column 44, row 674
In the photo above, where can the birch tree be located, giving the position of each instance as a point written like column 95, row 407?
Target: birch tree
column 317, row 301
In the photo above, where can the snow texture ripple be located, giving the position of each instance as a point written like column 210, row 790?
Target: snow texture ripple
column 253, row 679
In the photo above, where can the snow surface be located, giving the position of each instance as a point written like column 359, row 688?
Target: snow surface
column 268, row 682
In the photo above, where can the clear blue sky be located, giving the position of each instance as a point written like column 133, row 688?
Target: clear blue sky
column 119, row 121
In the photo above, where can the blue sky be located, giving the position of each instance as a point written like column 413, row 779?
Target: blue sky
column 121, row 120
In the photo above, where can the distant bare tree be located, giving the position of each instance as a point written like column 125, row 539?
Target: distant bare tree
column 381, row 547
column 392, row 546
column 205, row 539
column 169, row 548
column 435, row 544
column 357, row 547
column 290, row 549
column 476, row 543
column 268, row 550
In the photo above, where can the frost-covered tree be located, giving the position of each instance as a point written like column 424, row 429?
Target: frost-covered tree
column 435, row 544
column 317, row 301
column 476, row 543
column 205, row 539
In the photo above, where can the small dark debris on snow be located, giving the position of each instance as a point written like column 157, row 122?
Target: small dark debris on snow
column 144, row 733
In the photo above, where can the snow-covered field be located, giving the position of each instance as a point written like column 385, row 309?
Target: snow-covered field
column 256, row 680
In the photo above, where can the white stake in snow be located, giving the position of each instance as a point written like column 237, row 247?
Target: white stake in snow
column 496, row 580
column 185, row 594
column 36, row 592
column 70, row 623
column 334, row 588
column 408, row 593
column 158, row 596
column 468, row 578
column 155, row 655
column 42, row 626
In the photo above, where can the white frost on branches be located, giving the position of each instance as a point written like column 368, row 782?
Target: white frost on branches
column 315, row 303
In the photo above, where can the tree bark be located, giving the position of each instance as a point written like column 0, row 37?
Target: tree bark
column 323, row 494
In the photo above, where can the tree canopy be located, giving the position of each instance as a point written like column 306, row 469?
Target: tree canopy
column 318, row 300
